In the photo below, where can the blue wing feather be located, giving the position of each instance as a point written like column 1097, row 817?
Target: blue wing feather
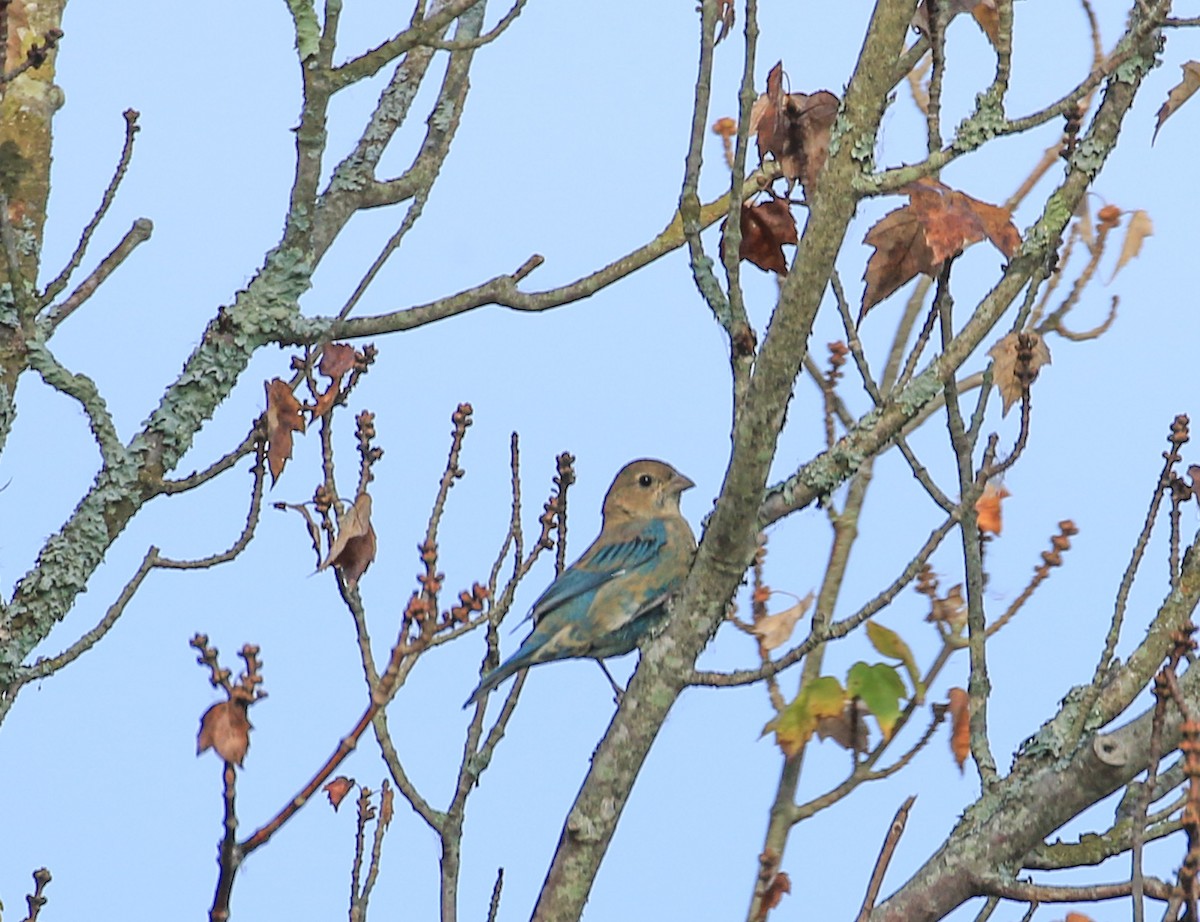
column 599, row 564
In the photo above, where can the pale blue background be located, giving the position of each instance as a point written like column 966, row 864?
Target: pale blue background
column 572, row 146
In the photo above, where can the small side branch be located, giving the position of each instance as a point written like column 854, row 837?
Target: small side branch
column 895, row 831
column 60, row 281
column 137, row 234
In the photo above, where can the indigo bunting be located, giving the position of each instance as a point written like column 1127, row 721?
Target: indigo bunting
column 614, row 594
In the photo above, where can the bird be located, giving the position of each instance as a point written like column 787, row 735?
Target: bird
column 614, row 594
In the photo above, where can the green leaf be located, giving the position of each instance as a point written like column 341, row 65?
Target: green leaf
column 822, row 697
column 888, row 642
column 880, row 688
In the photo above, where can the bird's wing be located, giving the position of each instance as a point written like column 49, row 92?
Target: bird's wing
column 611, row 555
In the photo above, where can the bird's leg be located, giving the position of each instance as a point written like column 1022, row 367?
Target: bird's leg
column 618, row 691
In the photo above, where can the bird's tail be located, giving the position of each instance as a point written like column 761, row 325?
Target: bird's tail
column 527, row 655
column 491, row 680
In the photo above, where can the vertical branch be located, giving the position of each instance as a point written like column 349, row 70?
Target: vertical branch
column 979, row 686
column 689, row 198
column 742, row 339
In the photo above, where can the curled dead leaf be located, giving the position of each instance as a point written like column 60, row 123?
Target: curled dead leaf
column 950, row 610
column 960, row 725
column 983, row 11
column 794, row 128
column 336, row 360
column 780, row 885
column 283, row 418
column 1139, row 228
column 387, row 804
column 354, row 548
column 765, row 228
column 337, row 789
column 1016, row 361
column 987, row 508
column 849, row 728
column 225, row 728
column 1179, row 94
column 774, row 630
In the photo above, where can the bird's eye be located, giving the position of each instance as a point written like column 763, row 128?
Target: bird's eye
column 645, row 480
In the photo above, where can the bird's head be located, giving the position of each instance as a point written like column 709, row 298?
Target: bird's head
column 644, row 489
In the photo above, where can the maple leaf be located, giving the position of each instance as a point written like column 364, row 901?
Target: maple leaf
column 1179, row 94
column 901, row 254
column 225, row 728
column 880, row 688
column 954, row 220
column 1016, row 361
column 354, row 548
column 774, row 630
column 987, row 508
column 794, row 128
column 1140, row 227
column 960, row 725
column 821, row 697
column 848, row 729
column 890, row 644
column 938, row 223
column 337, row 789
column 765, row 228
column 283, row 418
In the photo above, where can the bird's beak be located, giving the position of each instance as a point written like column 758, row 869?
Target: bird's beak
column 678, row 483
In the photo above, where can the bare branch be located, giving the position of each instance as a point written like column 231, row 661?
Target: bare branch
column 60, row 281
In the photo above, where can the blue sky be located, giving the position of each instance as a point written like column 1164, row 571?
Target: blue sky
column 572, row 146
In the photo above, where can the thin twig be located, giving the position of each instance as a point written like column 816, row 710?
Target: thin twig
column 486, row 38
column 60, row 281
column 51, row 665
column 243, row 540
column 885, row 857
column 136, row 235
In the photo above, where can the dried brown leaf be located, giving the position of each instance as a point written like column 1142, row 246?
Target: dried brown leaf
column 1139, row 228
column 950, row 610
column 939, row 222
column 225, row 728
column 988, row 18
column 354, row 548
column 960, row 726
column 283, row 418
column 774, row 630
column 765, row 228
column 337, row 789
column 794, row 128
column 336, row 360
column 387, row 804
column 901, row 254
column 1016, row 361
column 849, row 728
column 1179, row 94
column 1083, row 224
column 984, row 12
column 987, row 508
column 780, row 885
